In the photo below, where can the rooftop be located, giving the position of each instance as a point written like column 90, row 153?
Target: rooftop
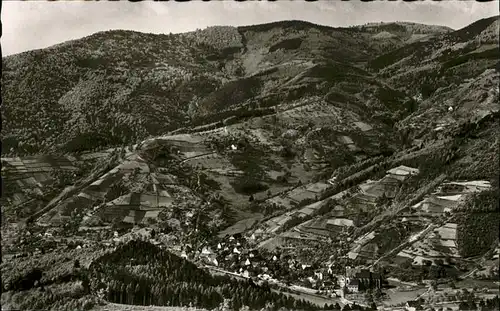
column 403, row 170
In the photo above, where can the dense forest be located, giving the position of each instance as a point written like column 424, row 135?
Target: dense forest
column 477, row 227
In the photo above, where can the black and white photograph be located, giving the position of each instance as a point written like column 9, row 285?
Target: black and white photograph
column 250, row 155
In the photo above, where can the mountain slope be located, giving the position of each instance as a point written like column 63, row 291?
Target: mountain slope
column 135, row 85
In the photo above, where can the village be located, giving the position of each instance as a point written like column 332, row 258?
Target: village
column 312, row 257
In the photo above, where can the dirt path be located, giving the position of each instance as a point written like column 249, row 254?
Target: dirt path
column 198, row 156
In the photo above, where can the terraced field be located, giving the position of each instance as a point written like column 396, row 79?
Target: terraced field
column 424, row 244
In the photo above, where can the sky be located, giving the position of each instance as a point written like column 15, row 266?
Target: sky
column 28, row 25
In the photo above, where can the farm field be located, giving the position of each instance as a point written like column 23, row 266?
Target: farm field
column 396, row 297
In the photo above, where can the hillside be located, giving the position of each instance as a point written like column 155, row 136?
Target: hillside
column 271, row 153
column 134, row 85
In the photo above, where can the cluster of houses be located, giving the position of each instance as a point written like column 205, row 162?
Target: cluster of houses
column 235, row 254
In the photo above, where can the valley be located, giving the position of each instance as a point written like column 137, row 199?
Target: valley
column 282, row 166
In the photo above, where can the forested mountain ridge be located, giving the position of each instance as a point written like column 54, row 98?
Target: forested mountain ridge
column 134, row 85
